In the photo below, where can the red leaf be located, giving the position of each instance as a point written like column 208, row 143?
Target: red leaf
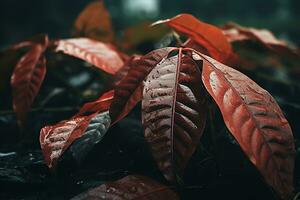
column 100, row 105
column 174, row 113
column 129, row 91
column 86, row 128
column 97, row 53
column 208, row 36
column 93, row 134
column 125, row 69
column 94, row 22
column 27, row 79
column 131, row 187
column 236, row 33
column 56, row 139
column 256, row 121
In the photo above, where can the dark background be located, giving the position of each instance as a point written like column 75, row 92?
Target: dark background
column 22, row 19
column 228, row 175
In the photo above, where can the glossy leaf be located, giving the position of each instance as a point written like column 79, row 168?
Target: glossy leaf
column 86, row 129
column 94, row 22
column 256, row 121
column 129, row 188
column 208, row 36
column 173, row 113
column 55, row 139
column 129, row 91
column 27, row 79
column 93, row 134
column 99, row 54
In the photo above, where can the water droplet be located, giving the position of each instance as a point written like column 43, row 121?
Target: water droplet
column 79, row 182
column 133, row 189
column 142, row 184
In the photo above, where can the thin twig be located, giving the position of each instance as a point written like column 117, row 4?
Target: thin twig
column 177, row 37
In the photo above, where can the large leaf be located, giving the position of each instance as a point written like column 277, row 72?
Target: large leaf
column 129, row 91
column 94, row 22
column 27, row 79
column 129, row 188
column 208, row 36
column 99, row 54
column 256, row 121
column 86, row 129
column 173, row 113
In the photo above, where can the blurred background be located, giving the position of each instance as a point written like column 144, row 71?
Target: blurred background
column 69, row 83
column 22, row 19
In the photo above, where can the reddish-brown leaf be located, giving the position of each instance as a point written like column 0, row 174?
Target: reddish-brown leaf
column 27, row 79
column 130, row 188
column 94, row 22
column 208, row 36
column 256, row 121
column 125, row 69
column 135, row 37
column 93, row 134
column 173, row 113
column 99, row 54
column 56, row 139
column 85, row 129
column 100, row 105
column 236, row 33
column 129, row 91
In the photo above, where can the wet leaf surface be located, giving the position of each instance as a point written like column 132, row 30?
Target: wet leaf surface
column 99, row 54
column 256, row 121
column 173, row 113
column 130, row 187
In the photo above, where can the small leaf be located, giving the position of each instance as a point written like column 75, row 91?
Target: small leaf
column 236, row 33
column 208, row 36
column 256, row 121
column 56, row 139
column 173, row 113
column 27, row 79
column 99, row 54
column 129, row 91
column 94, row 22
column 130, row 188
column 86, row 129
column 93, row 134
